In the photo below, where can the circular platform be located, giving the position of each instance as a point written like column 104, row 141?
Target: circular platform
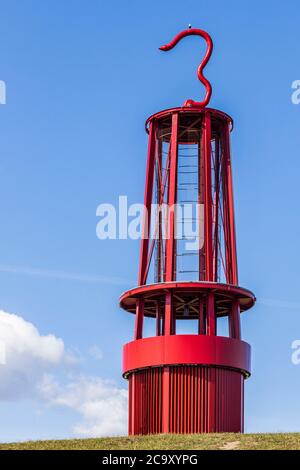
column 187, row 293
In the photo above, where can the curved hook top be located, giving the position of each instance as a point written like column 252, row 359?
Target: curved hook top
column 206, row 83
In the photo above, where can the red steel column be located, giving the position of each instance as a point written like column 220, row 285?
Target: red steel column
column 131, row 403
column 210, row 314
column 216, row 208
column 147, row 204
column 170, row 242
column 139, row 319
column 207, row 199
column 201, row 204
column 235, row 321
column 166, row 400
column 158, row 319
column 212, row 400
column 210, row 305
column 169, row 327
column 172, row 197
column 201, row 319
column 159, row 221
column 231, row 222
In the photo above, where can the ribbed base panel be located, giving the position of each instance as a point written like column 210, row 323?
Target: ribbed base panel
column 186, row 399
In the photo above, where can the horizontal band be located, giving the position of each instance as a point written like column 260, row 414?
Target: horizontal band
column 187, row 349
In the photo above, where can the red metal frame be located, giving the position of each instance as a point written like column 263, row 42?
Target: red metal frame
column 188, row 383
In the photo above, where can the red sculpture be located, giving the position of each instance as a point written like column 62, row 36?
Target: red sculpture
column 188, row 383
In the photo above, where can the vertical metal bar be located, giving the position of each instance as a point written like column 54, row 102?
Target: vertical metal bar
column 147, row 203
column 201, row 319
column 173, row 373
column 166, row 400
column 139, row 319
column 158, row 201
column 150, row 401
column 230, row 324
column 212, row 400
column 225, row 211
column 181, row 399
column 169, row 322
column 172, row 197
column 132, row 404
column 234, row 272
column 200, row 399
column 201, row 204
column 235, row 320
column 130, row 401
column 158, row 319
column 207, row 199
column 216, row 212
column 210, row 313
column 173, row 319
column 185, row 398
column 171, row 402
column 242, row 403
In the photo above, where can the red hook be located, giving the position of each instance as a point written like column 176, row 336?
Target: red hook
column 208, row 39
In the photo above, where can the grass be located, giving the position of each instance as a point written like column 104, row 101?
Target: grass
column 169, row 442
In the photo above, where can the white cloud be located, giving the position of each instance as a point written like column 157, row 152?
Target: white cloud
column 101, row 404
column 96, row 352
column 22, row 338
column 38, row 367
column 28, row 355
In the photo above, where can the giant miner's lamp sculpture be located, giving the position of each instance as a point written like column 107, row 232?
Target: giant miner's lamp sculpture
column 188, row 383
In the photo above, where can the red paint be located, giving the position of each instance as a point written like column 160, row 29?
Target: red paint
column 172, row 193
column 147, row 203
column 206, row 36
column 186, row 349
column 191, row 405
column 194, row 382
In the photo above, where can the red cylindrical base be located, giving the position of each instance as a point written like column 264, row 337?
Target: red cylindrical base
column 186, row 384
column 200, row 399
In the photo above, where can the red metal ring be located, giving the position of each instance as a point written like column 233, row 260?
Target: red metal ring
column 216, row 351
column 190, row 110
column 245, row 297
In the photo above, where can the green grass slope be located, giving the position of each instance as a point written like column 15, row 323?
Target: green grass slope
column 169, row 442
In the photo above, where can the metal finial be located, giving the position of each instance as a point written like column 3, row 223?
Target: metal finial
column 206, row 36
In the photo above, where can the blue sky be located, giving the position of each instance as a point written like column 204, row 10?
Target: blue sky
column 81, row 79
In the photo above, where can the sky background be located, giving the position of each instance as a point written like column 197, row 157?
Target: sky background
column 81, row 79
